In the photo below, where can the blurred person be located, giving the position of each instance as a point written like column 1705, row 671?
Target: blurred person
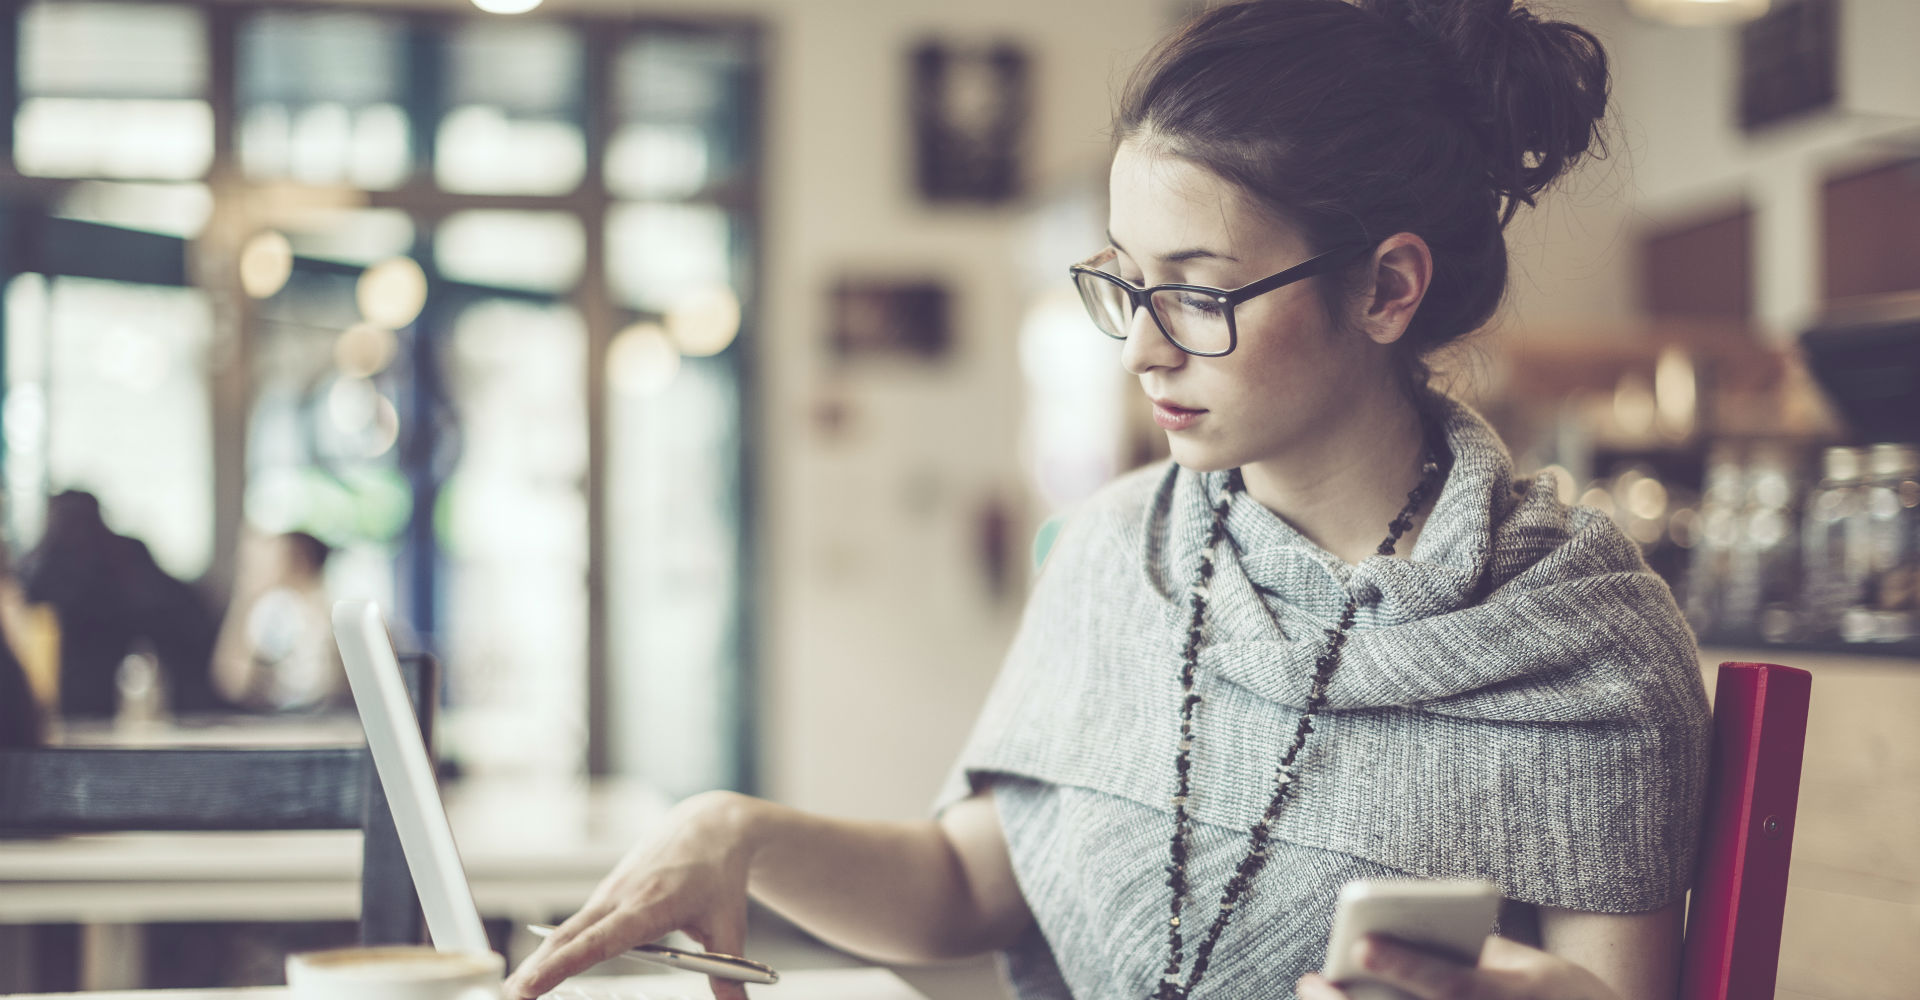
column 19, row 711
column 276, row 647
column 1229, row 694
column 29, row 662
column 112, row 599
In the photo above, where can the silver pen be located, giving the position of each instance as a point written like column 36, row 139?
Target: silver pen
column 705, row 962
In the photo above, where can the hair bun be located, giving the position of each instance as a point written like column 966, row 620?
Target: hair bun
column 1533, row 92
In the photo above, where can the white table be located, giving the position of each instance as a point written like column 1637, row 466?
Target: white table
column 532, row 850
column 819, row 984
column 531, row 846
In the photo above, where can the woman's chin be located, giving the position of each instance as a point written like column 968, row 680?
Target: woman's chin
column 1198, row 457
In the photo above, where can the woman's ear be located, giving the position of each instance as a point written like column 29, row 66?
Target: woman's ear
column 1402, row 267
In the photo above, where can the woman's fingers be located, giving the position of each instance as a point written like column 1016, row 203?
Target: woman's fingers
column 725, row 932
column 571, row 927
column 520, row 982
column 611, row 934
column 1426, row 976
column 1314, row 986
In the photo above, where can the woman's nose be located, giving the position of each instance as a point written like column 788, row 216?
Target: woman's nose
column 1146, row 347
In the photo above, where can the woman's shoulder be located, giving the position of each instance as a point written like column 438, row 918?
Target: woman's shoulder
column 1129, row 493
column 1110, row 519
column 1541, row 533
column 1119, row 505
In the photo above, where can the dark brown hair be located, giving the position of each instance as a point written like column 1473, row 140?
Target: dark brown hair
column 1355, row 121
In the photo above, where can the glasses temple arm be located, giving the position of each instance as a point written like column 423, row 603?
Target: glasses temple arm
column 1318, row 264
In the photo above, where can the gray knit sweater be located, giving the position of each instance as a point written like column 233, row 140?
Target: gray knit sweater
column 1519, row 701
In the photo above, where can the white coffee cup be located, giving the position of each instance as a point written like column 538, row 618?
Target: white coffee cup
column 395, row 973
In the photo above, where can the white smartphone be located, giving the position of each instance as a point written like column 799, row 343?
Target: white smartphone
column 1450, row 918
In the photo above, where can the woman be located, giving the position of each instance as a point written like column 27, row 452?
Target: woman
column 1230, row 694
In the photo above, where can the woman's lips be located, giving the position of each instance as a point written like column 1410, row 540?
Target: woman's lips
column 1174, row 418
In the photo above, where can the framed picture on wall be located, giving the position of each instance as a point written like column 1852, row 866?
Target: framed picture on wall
column 873, row 318
column 1789, row 63
column 970, row 110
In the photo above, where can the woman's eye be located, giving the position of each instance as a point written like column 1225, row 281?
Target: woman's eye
column 1204, row 304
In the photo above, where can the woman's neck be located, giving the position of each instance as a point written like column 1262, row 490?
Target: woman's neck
column 1342, row 487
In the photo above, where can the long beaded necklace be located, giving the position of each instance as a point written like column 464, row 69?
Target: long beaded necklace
column 1170, row 985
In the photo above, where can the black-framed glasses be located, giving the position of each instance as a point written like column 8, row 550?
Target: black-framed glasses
column 1197, row 319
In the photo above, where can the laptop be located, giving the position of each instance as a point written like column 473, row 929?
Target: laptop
column 426, row 838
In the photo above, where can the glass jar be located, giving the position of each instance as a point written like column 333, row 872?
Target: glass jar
column 1708, row 573
column 1835, row 575
column 1887, row 609
column 1763, row 584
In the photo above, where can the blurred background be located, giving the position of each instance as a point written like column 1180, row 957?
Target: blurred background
column 691, row 377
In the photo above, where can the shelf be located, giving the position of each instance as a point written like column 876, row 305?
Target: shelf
column 1748, row 640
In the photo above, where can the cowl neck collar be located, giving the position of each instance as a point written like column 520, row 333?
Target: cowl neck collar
column 1447, row 569
column 1492, row 554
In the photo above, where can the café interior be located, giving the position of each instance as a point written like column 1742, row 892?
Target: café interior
column 688, row 380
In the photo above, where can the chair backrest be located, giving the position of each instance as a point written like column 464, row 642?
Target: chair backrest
column 1740, row 887
column 50, row 790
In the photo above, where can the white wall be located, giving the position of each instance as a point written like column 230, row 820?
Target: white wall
column 1678, row 153
column 881, row 640
column 1678, row 86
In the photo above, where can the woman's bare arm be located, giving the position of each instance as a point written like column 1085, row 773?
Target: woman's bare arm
column 893, row 892
column 1637, row 954
column 896, row 892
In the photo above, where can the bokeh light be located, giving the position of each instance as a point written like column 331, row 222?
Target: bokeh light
column 266, row 262
column 392, row 292
column 705, row 322
column 642, row 360
column 364, row 350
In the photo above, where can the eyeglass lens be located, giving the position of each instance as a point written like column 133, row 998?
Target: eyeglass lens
column 1109, row 305
column 1195, row 321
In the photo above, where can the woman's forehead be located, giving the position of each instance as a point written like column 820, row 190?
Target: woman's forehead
column 1163, row 203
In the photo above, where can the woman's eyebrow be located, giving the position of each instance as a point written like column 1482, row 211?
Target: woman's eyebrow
column 1179, row 256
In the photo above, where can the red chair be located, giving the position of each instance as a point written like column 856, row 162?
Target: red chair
column 1740, row 888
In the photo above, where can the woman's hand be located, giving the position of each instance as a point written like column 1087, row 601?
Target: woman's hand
column 693, row 877
column 1507, row 971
